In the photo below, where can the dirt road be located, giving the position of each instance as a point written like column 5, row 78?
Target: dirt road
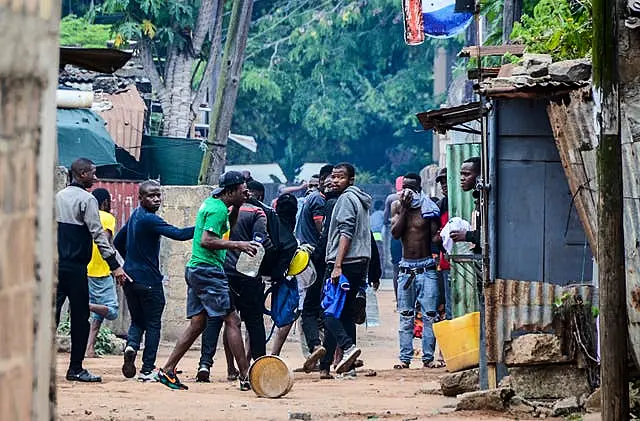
column 391, row 395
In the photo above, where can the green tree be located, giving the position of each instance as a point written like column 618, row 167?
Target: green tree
column 80, row 32
column 333, row 80
column 174, row 38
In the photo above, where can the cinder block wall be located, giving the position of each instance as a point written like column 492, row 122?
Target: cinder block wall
column 180, row 206
column 28, row 75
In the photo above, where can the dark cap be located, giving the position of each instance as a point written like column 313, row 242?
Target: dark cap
column 442, row 173
column 228, row 179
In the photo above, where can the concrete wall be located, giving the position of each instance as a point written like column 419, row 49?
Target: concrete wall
column 28, row 73
column 180, row 206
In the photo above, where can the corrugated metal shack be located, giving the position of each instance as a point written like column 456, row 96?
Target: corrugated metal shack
column 538, row 247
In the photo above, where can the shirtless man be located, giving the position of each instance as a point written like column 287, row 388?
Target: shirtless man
column 415, row 221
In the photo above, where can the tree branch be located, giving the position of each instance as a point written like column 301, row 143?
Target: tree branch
column 205, row 23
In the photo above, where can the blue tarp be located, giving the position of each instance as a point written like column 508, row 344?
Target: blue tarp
column 82, row 134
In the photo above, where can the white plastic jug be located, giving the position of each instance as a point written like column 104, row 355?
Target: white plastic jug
column 248, row 265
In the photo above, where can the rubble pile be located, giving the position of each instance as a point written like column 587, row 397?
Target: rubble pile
column 542, row 382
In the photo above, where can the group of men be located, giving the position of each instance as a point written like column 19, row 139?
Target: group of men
column 333, row 225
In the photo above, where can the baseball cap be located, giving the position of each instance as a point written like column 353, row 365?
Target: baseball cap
column 442, row 173
column 228, row 179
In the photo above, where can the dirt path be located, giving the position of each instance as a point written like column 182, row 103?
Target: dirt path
column 391, row 395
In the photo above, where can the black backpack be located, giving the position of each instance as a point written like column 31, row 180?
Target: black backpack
column 276, row 260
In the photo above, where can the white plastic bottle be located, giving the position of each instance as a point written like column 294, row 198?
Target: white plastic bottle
column 248, row 265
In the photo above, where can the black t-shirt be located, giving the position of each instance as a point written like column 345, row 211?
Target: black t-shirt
column 312, row 209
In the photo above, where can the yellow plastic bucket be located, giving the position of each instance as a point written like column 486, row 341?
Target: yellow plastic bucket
column 459, row 341
column 270, row 377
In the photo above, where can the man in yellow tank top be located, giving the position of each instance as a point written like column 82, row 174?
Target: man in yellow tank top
column 103, row 298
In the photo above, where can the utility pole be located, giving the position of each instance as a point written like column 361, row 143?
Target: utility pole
column 610, row 249
column 226, row 92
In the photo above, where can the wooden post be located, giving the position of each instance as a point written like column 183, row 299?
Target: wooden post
column 226, row 92
column 511, row 12
column 610, row 249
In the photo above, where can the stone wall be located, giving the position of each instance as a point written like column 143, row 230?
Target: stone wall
column 180, row 205
column 28, row 73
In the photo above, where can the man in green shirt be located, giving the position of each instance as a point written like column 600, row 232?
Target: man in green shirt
column 208, row 289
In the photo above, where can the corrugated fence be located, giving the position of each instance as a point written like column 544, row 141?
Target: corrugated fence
column 461, row 203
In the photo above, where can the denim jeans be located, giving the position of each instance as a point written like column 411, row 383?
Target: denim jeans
column 342, row 332
column 210, row 340
column 146, row 304
column 448, row 294
column 422, row 287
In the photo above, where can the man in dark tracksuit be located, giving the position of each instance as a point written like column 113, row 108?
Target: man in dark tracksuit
column 139, row 243
column 78, row 227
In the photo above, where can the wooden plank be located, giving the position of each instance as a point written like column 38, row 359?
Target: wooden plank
column 492, row 50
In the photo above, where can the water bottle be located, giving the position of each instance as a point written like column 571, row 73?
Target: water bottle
column 248, row 265
column 373, row 313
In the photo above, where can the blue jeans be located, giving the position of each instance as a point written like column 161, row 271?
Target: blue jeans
column 146, row 303
column 422, row 287
column 448, row 294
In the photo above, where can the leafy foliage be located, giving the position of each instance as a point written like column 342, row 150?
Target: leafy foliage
column 80, row 32
column 557, row 27
column 326, row 81
column 104, row 342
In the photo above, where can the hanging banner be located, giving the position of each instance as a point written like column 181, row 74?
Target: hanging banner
column 413, row 22
column 441, row 19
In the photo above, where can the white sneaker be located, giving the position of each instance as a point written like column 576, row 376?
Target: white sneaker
column 348, row 358
column 151, row 376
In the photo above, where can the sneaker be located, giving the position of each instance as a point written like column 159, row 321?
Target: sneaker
column 360, row 308
column 203, row 375
column 148, row 377
column 171, row 380
column 348, row 358
column 83, row 376
column 311, row 362
column 245, row 384
column 129, row 366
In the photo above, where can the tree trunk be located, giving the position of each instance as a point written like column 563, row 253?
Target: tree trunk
column 610, row 248
column 511, row 12
column 214, row 158
column 178, row 117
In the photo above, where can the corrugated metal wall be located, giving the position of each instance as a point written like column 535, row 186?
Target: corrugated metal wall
column 463, row 278
column 514, row 308
column 576, row 140
column 124, row 198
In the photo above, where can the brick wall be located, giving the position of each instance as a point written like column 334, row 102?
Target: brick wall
column 28, row 71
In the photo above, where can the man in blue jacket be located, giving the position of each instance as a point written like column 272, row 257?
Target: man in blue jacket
column 78, row 226
column 139, row 244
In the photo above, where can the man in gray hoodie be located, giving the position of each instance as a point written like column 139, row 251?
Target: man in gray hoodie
column 348, row 254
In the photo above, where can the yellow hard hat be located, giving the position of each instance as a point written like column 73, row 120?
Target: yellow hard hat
column 298, row 263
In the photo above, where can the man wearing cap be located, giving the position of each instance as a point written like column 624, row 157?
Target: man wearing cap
column 443, row 264
column 139, row 244
column 247, row 292
column 208, row 299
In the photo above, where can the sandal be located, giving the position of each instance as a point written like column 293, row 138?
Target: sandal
column 325, row 375
column 434, row 364
column 401, row 366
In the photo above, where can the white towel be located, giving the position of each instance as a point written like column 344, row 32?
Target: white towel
column 455, row 224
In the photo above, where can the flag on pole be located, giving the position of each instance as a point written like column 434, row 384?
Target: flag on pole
column 441, row 20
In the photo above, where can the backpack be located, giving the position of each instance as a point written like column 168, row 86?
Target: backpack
column 284, row 302
column 276, row 261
